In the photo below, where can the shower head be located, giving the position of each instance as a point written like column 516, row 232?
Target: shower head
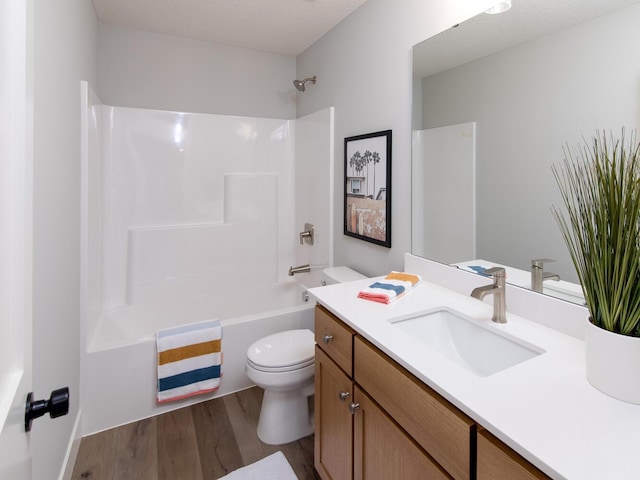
column 299, row 84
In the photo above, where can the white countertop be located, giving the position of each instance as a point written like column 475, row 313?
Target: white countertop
column 543, row 408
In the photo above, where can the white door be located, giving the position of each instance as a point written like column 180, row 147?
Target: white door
column 15, row 241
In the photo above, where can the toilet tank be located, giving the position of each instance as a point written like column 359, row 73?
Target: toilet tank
column 333, row 275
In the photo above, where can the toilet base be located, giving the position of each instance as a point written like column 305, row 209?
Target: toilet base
column 284, row 417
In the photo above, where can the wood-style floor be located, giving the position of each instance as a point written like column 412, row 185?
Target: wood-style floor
column 202, row 442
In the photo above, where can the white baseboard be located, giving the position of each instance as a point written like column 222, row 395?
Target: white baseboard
column 72, row 450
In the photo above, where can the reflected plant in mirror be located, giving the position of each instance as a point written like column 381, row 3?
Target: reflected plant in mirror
column 494, row 101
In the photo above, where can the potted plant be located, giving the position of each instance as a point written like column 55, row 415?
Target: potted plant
column 600, row 186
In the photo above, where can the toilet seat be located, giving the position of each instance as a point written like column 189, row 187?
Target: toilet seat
column 287, row 368
column 283, row 351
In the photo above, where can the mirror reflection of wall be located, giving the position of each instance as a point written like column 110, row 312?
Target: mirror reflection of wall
column 528, row 101
column 440, row 155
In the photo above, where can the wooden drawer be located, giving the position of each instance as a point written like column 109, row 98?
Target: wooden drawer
column 496, row 461
column 335, row 339
column 442, row 430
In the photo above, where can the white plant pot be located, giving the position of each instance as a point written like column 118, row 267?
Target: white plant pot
column 613, row 363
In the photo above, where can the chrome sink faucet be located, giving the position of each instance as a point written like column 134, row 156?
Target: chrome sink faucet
column 538, row 275
column 497, row 289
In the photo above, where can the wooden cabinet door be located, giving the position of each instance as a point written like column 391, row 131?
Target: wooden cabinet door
column 382, row 450
column 436, row 425
column 333, row 420
column 496, row 461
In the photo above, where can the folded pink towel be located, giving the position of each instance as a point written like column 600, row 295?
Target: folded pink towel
column 390, row 288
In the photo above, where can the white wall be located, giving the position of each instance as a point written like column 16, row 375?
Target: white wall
column 166, row 72
column 530, row 101
column 65, row 52
column 364, row 70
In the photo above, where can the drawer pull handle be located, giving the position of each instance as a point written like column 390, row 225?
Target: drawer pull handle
column 343, row 396
column 327, row 338
column 353, row 407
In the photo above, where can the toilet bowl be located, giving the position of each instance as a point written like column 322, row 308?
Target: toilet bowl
column 283, row 365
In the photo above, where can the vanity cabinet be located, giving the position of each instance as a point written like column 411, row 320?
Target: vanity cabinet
column 496, row 461
column 375, row 420
column 356, row 437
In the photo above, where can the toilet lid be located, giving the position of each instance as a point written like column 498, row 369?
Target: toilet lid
column 283, row 349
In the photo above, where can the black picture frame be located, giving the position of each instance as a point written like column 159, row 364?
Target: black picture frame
column 367, row 187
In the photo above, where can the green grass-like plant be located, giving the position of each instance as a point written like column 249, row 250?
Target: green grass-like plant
column 600, row 186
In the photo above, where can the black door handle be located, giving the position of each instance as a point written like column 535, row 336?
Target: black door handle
column 56, row 406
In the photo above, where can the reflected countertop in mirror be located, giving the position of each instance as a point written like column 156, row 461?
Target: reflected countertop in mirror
column 539, row 78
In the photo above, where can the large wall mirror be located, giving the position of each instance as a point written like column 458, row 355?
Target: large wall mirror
column 496, row 99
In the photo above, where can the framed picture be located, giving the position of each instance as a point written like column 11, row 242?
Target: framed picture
column 367, row 192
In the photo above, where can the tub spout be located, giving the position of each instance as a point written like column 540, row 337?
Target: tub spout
column 299, row 269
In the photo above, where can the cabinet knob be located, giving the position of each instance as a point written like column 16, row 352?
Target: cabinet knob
column 353, row 407
column 327, row 338
column 343, row 396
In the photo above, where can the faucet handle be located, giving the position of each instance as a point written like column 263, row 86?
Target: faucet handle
column 308, row 234
column 499, row 274
column 496, row 271
column 539, row 262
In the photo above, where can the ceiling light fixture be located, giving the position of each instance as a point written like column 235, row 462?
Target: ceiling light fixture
column 499, row 7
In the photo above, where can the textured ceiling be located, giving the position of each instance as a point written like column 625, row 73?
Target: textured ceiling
column 280, row 26
column 487, row 34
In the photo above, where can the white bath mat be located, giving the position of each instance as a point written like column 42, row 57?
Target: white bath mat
column 273, row 467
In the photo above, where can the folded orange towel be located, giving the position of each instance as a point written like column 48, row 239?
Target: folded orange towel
column 393, row 286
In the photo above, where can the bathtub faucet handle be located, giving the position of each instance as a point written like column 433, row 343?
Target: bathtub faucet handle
column 308, row 234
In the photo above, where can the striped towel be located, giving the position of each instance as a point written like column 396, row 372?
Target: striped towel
column 189, row 360
column 393, row 286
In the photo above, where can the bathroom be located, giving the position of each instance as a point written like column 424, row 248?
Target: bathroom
column 366, row 78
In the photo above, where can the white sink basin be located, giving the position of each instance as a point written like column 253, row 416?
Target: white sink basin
column 481, row 351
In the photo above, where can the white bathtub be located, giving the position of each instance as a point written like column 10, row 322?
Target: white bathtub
column 119, row 367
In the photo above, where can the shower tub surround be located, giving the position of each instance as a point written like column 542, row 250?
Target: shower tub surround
column 188, row 217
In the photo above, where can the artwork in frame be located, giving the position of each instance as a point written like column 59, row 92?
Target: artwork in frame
column 367, row 192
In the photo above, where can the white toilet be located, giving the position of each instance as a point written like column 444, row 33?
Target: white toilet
column 283, row 365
